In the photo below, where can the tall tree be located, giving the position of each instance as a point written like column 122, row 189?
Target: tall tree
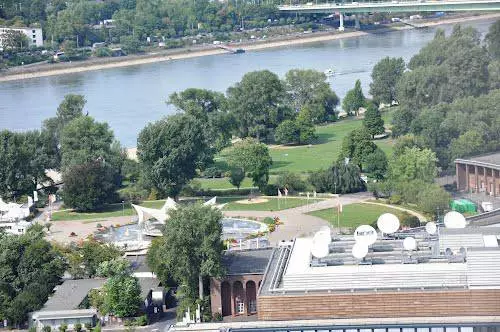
column 373, row 121
column 122, row 296
column 354, row 99
column 191, row 249
column 257, row 105
column 493, row 39
column 310, row 88
column 356, row 145
column 170, row 151
column 376, row 163
column 253, row 157
column 210, row 108
column 385, row 75
column 413, row 164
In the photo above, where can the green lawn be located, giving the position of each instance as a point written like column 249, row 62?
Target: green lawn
column 354, row 215
column 270, row 205
column 109, row 211
column 222, row 183
column 322, row 154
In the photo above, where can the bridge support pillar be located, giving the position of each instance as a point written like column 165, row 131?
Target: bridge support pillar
column 341, row 23
column 356, row 22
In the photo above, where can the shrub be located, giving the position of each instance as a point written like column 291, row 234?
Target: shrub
column 217, row 317
column 63, row 327
column 292, row 181
column 141, row 320
column 102, row 52
column 97, row 328
column 212, row 172
column 88, row 327
column 409, row 220
column 268, row 220
column 271, row 189
column 271, row 227
column 46, row 328
column 395, row 199
column 78, row 327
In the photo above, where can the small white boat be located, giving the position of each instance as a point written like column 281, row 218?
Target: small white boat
column 329, row 72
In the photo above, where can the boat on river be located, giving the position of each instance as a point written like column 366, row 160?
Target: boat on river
column 329, row 72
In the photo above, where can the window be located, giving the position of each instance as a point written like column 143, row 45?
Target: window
column 240, row 307
column 252, row 306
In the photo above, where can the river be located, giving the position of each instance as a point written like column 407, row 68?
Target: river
column 130, row 97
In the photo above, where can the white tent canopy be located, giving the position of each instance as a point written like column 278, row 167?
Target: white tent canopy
column 161, row 215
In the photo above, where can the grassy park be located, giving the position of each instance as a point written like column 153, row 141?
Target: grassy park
column 354, row 215
column 270, row 205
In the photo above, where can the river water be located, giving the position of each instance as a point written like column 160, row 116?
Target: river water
column 130, row 97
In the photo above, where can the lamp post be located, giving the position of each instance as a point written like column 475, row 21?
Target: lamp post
column 123, row 207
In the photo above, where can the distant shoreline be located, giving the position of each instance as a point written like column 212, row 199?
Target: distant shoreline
column 105, row 63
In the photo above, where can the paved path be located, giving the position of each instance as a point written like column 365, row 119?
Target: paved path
column 420, row 217
column 296, row 221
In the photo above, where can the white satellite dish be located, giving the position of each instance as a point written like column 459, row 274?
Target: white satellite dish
column 388, row 223
column 359, row 250
column 320, row 243
column 365, row 234
column 454, row 219
column 409, row 243
column 325, row 229
column 431, row 227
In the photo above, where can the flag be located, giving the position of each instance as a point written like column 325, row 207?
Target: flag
column 286, row 191
column 279, row 193
column 308, row 195
column 339, row 207
column 35, row 196
column 314, row 194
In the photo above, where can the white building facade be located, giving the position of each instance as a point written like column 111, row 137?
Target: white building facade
column 34, row 35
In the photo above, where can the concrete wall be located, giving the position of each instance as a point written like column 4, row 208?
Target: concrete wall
column 380, row 304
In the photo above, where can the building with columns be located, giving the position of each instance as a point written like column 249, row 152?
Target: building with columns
column 479, row 174
column 236, row 293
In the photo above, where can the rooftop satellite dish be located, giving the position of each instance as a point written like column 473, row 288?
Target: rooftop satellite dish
column 454, row 219
column 359, row 250
column 325, row 229
column 365, row 234
column 409, row 243
column 388, row 223
column 320, row 243
column 431, row 227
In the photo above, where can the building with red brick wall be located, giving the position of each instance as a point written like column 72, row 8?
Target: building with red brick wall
column 479, row 174
column 236, row 293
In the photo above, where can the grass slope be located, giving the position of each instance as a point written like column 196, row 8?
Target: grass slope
column 354, row 215
column 270, row 205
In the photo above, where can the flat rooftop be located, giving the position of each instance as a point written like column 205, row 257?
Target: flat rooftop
column 253, row 261
column 457, row 259
column 492, row 158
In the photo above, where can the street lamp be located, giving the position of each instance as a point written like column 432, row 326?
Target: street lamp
column 123, row 207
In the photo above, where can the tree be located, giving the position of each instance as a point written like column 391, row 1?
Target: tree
column 14, row 40
column 468, row 144
column 24, row 159
column 256, row 103
column 30, row 269
column 84, row 261
column 375, row 163
column 114, row 267
column 89, row 186
column 85, row 140
column 197, row 228
column 401, row 121
column 210, row 108
column 170, row 151
column 253, row 157
column 373, row 121
column 354, row 99
column 432, row 199
column 493, row 39
column 385, row 75
column 287, row 133
column 407, row 141
column 341, row 178
column 310, row 88
column 236, row 176
column 122, row 296
column 356, row 145
column 70, row 108
column 413, row 164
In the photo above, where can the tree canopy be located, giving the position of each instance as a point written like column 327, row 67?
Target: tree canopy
column 373, row 121
column 354, row 99
column 170, row 151
column 356, row 145
column 385, row 75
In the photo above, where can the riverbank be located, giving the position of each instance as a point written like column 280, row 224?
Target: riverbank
column 43, row 70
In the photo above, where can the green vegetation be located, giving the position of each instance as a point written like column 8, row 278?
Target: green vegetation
column 354, row 215
column 320, row 155
column 270, row 205
column 222, row 183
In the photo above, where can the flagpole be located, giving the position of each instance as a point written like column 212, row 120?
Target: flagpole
column 338, row 214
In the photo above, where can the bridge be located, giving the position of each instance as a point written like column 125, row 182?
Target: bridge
column 391, row 7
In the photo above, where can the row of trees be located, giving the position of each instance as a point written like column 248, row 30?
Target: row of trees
column 448, row 98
